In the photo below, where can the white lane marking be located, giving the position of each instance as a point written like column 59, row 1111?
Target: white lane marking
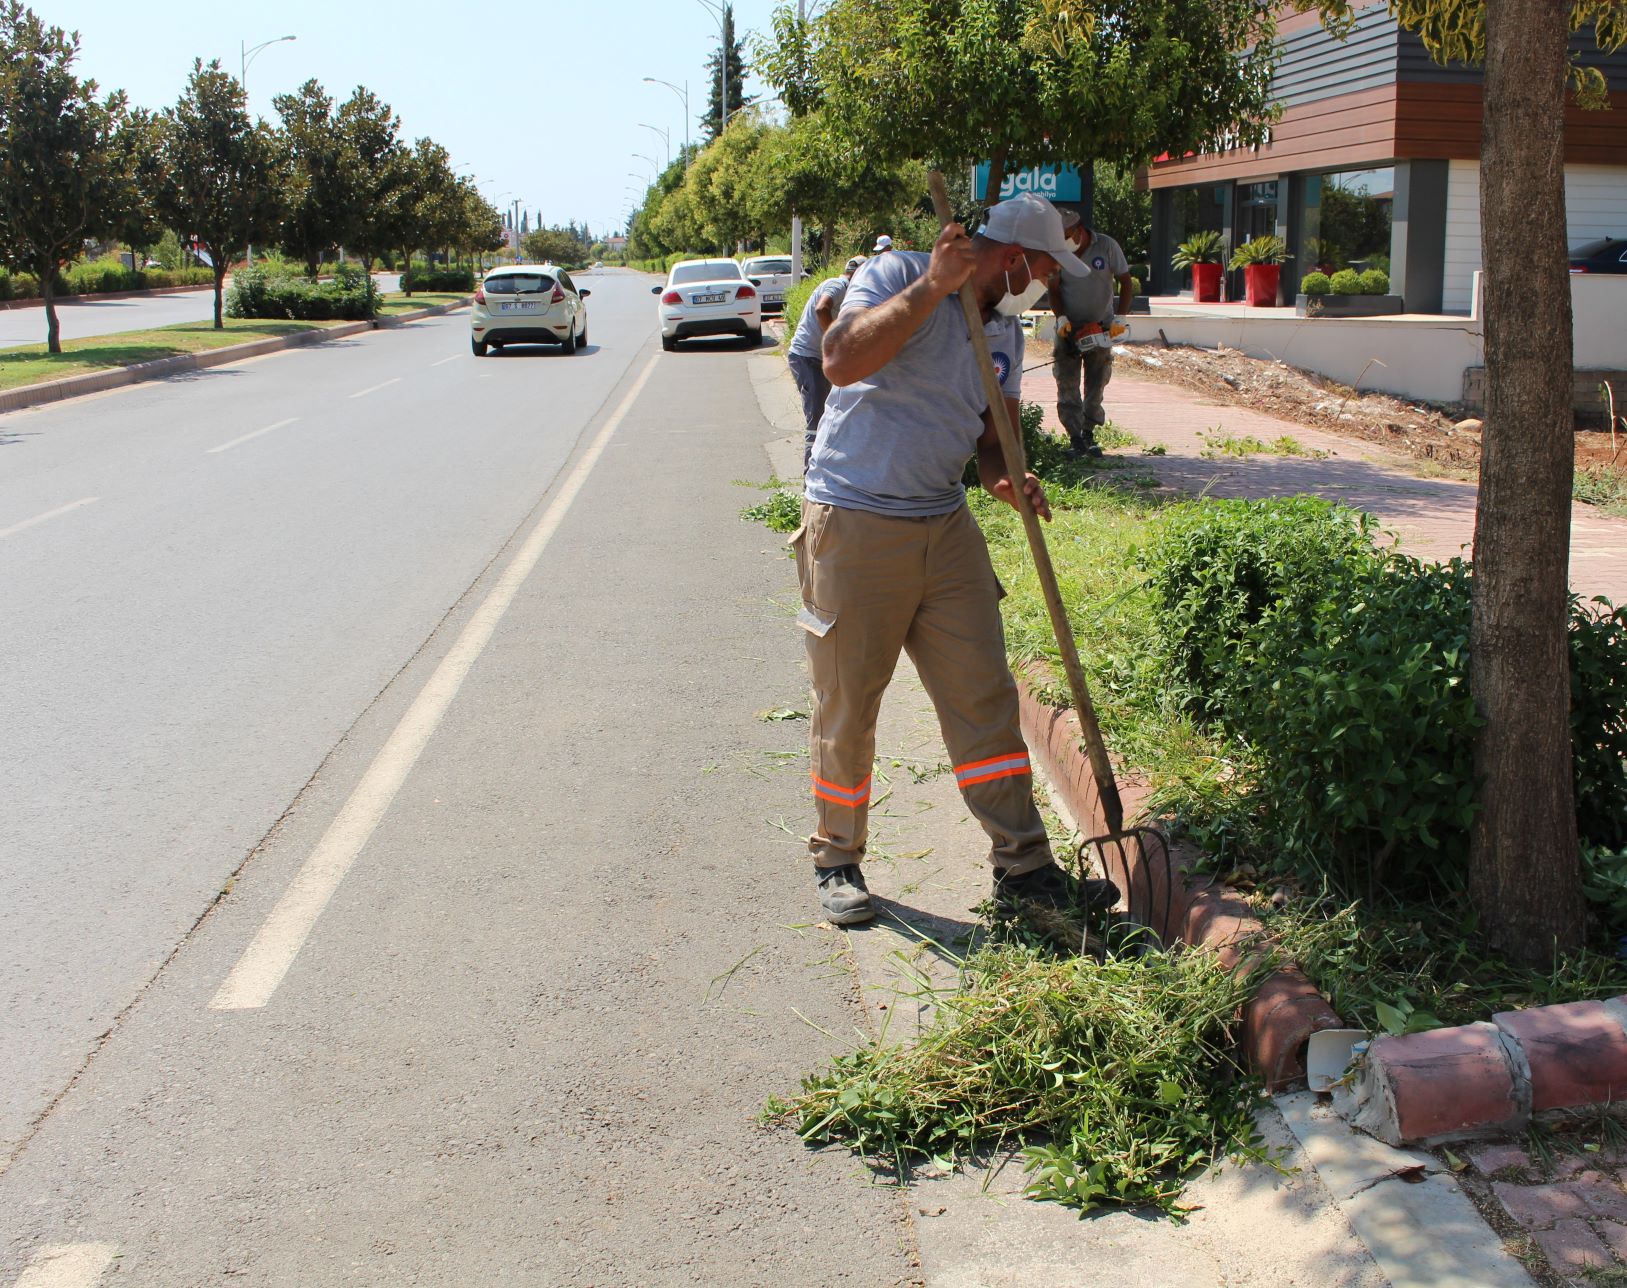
column 256, row 434
column 266, row 960
column 444, row 361
column 373, row 389
column 67, row 1265
column 15, row 528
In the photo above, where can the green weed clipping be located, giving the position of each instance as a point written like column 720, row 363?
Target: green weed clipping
column 1117, row 1078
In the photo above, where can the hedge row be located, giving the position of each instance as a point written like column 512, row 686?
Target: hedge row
column 102, row 277
column 350, row 295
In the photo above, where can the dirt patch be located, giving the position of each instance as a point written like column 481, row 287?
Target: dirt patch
column 1447, row 434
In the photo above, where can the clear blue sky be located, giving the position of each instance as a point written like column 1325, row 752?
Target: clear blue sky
column 542, row 100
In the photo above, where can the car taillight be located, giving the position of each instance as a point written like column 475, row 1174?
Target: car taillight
column 558, row 296
column 746, row 293
column 480, row 295
column 672, row 297
column 1578, row 268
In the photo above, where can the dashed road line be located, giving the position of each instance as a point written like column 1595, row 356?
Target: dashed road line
column 444, row 361
column 15, row 528
column 281, row 424
column 68, row 1265
column 266, row 960
column 373, row 389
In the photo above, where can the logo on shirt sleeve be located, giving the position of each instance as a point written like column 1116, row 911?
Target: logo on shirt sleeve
column 1002, row 366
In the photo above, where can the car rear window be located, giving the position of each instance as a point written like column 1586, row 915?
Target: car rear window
column 519, row 284
column 771, row 266
column 711, row 271
column 1596, row 247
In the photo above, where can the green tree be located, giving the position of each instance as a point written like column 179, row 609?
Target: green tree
column 732, row 46
column 1123, row 211
column 59, row 175
column 320, row 186
column 138, row 144
column 555, row 246
column 378, row 166
column 222, row 182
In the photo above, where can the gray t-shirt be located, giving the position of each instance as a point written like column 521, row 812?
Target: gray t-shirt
column 1090, row 298
column 897, row 442
column 810, row 334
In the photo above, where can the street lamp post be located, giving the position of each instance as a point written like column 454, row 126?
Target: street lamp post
column 666, row 137
column 684, row 95
column 245, row 56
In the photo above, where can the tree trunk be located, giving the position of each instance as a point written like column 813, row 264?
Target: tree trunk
column 53, row 328
column 313, row 265
column 1525, row 874
column 827, row 242
column 220, row 289
column 997, row 174
column 406, row 271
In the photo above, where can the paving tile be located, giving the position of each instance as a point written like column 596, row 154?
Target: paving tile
column 1537, row 1207
column 1434, row 518
column 1494, row 1158
column 1571, row 1247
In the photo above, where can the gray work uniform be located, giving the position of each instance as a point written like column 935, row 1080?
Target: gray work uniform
column 890, row 559
column 806, row 360
column 1087, row 299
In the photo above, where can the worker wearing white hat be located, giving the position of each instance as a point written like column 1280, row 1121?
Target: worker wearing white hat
column 883, row 243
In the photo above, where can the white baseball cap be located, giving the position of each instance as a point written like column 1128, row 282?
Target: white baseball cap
column 854, row 263
column 1034, row 223
column 883, row 242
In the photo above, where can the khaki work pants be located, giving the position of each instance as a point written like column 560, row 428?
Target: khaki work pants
column 1081, row 416
column 874, row 585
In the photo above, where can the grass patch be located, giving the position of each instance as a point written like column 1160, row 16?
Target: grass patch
column 396, row 302
column 30, row 364
column 1602, row 486
column 1117, row 1078
column 1218, row 444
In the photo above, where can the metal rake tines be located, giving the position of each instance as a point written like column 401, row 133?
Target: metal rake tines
column 1137, row 861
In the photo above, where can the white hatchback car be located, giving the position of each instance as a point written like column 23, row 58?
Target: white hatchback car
column 708, row 297
column 528, row 304
column 772, row 274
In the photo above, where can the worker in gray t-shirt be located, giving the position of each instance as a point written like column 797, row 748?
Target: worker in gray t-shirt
column 1083, row 304
column 889, row 557
column 805, row 356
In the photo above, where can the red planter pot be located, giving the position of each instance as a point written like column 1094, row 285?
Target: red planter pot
column 1206, row 283
column 1260, row 284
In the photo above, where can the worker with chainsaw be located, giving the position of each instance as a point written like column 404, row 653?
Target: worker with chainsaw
column 1086, row 328
column 889, row 556
column 805, row 357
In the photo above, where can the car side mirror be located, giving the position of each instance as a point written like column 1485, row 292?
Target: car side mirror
column 584, row 294
column 655, row 290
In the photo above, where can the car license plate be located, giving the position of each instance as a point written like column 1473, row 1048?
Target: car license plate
column 773, row 297
column 716, row 297
column 518, row 306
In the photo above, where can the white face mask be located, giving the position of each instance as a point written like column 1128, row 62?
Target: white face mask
column 1010, row 304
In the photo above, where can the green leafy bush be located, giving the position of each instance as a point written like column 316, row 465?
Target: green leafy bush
column 1375, row 281
column 796, row 300
column 1347, row 281
column 1598, row 647
column 1315, row 284
column 1264, row 249
column 1204, row 247
column 443, row 279
column 256, row 293
column 1219, row 566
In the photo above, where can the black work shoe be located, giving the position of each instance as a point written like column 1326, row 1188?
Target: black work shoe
column 1052, row 888
column 1085, row 447
column 843, row 895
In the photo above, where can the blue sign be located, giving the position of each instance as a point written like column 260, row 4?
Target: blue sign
column 1053, row 182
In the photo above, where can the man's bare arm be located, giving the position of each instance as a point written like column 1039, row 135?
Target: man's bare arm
column 825, row 311
column 991, row 465
column 863, row 341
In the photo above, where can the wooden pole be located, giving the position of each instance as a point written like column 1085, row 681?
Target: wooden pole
column 1011, row 446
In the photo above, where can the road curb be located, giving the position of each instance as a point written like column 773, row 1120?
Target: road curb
column 433, row 310
column 1179, row 906
column 1460, row 1083
column 95, row 382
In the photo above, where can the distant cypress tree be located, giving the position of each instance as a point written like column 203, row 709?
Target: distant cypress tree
column 711, row 123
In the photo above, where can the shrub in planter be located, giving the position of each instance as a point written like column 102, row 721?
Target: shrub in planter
column 1375, row 281
column 1347, row 281
column 443, row 279
column 1315, row 284
column 256, row 293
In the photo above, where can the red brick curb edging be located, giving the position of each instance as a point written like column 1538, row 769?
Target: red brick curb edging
column 1458, row 1083
column 1182, row 907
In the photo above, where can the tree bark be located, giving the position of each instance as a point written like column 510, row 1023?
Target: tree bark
column 53, row 328
column 220, row 288
column 997, row 175
column 1525, row 875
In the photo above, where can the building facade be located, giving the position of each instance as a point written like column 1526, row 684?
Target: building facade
column 1375, row 163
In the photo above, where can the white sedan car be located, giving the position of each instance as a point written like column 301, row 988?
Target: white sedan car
column 708, row 297
column 772, row 274
column 528, row 304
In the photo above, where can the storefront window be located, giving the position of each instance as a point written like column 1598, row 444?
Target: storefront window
column 1256, row 211
column 1347, row 220
column 1196, row 210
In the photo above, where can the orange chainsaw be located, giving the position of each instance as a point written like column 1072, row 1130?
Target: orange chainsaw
column 1091, row 335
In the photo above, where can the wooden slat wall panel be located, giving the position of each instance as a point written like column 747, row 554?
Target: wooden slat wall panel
column 1443, row 121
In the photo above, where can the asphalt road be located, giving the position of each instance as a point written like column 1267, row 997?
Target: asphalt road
column 446, row 671
column 82, row 316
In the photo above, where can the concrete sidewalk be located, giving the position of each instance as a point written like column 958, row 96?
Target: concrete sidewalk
column 1433, row 517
